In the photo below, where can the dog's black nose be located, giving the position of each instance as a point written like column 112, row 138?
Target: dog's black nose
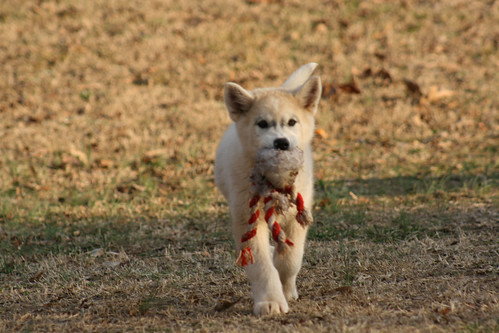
column 281, row 144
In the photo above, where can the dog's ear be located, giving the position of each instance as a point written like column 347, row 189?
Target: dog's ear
column 299, row 77
column 310, row 93
column 237, row 100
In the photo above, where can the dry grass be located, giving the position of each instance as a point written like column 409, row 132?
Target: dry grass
column 109, row 117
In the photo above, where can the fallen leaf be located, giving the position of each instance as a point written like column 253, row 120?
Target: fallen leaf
column 140, row 79
column 350, row 87
column 366, row 73
column 112, row 264
column 105, row 164
column 16, row 242
column 130, row 188
column 416, row 121
column 123, row 188
column 138, row 188
column 263, row 2
column 321, row 133
column 328, row 90
column 380, row 55
column 30, row 120
column 324, row 202
column 224, row 305
column 343, row 23
column 444, row 311
column 344, row 289
column 68, row 11
column 36, row 276
column 384, row 75
column 81, row 156
column 320, row 26
column 97, row 252
column 150, row 155
column 413, row 87
column 435, row 94
column 201, row 59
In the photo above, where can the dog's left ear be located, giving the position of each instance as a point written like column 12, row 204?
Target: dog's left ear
column 309, row 94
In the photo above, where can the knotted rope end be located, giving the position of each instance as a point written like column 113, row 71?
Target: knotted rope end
column 245, row 257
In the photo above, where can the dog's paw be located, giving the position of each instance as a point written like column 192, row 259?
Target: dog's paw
column 270, row 308
column 290, row 292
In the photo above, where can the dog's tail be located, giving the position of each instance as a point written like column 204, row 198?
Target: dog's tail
column 299, row 77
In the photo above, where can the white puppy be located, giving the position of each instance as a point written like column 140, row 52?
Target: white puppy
column 279, row 118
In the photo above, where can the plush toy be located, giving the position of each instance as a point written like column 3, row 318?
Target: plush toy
column 272, row 179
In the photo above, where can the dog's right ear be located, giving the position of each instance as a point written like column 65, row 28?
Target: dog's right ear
column 237, row 100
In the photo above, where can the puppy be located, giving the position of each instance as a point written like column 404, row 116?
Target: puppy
column 278, row 118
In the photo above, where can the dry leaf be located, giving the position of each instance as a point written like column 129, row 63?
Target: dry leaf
column 36, row 277
column 444, row 311
column 413, row 87
column 321, row 28
column 321, row 133
column 416, row 121
column 105, row 164
column 380, row 55
column 324, row 202
column 366, row 73
column 328, row 90
column 435, row 94
column 16, row 242
column 96, row 252
column 350, row 87
column 140, row 79
column 384, row 75
column 155, row 153
column 138, row 188
column 112, row 264
column 201, row 59
column 151, row 155
column 263, row 2
column 344, row 289
column 81, row 156
column 224, row 305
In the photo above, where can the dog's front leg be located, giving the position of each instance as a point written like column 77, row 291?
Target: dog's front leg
column 288, row 264
column 266, row 286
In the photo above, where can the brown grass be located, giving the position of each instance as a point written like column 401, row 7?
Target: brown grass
column 110, row 113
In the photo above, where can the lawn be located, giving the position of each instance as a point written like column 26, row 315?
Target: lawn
column 110, row 115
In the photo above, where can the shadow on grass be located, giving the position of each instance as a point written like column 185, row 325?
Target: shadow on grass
column 406, row 185
column 424, row 209
column 142, row 237
column 170, row 265
column 378, row 222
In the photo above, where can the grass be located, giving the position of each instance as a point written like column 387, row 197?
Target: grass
column 110, row 114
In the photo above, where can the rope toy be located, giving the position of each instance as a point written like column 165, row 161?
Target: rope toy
column 272, row 179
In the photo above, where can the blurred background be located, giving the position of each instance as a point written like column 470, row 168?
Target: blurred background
column 112, row 102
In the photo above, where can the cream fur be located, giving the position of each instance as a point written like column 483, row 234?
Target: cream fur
column 272, row 276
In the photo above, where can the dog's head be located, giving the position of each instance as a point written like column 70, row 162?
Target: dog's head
column 279, row 118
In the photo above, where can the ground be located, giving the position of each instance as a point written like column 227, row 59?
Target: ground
column 110, row 113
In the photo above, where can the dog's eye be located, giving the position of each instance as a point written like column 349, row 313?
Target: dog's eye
column 291, row 122
column 263, row 124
